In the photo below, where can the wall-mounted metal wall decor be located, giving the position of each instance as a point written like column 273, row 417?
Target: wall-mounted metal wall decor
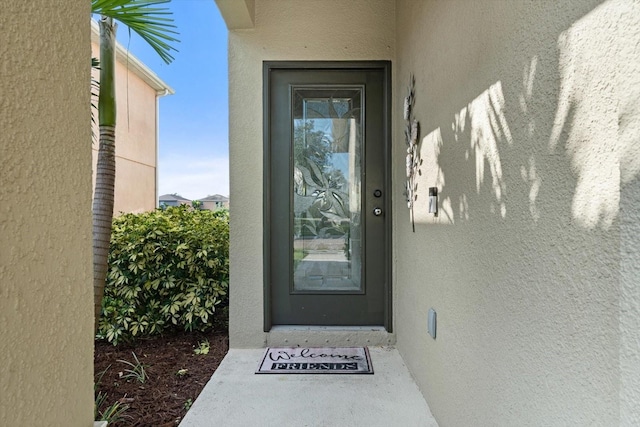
column 411, row 133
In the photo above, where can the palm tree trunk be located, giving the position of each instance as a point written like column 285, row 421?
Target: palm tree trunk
column 106, row 169
column 154, row 26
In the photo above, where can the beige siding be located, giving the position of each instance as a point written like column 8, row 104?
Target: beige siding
column 135, row 184
column 136, row 135
column 46, row 311
column 527, row 111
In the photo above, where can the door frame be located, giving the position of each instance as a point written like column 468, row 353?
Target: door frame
column 268, row 68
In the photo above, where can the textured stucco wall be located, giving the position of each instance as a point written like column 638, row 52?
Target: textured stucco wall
column 284, row 30
column 136, row 134
column 46, row 316
column 628, row 65
column 529, row 116
column 630, row 300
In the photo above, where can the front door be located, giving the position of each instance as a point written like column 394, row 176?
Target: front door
column 327, row 216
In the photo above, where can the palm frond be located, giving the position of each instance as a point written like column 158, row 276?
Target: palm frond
column 153, row 24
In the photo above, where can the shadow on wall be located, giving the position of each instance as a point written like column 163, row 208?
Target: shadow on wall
column 564, row 111
column 531, row 129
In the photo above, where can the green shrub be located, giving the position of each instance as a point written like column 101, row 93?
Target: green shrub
column 167, row 268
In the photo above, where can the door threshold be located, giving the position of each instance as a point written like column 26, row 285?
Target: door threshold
column 328, row 336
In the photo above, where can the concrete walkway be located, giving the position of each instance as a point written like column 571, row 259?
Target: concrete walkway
column 236, row 396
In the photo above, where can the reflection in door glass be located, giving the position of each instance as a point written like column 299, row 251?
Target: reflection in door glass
column 327, row 150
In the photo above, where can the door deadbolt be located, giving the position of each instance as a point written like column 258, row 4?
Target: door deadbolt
column 377, row 211
column 377, row 193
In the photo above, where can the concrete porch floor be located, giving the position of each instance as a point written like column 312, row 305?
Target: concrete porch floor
column 236, row 396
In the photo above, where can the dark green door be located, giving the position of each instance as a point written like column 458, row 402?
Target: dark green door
column 327, row 216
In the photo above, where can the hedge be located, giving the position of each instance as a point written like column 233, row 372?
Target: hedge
column 167, row 269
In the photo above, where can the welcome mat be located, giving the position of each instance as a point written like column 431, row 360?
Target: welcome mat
column 322, row 360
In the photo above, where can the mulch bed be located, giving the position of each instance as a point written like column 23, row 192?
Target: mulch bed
column 175, row 375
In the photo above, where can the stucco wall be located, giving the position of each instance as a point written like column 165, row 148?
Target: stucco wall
column 529, row 117
column 284, row 30
column 136, row 134
column 630, row 301
column 628, row 79
column 46, row 316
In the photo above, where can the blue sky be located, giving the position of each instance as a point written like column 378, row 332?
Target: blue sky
column 194, row 155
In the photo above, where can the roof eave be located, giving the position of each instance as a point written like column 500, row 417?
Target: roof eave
column 238, row 14
column 135, row 65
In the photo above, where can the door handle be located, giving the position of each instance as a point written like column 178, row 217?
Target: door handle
column 377, row 211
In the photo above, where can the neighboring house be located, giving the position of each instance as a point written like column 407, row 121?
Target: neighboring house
column 215, row 202
column 172, row 200
column 211, row 203
column 529, row 132
column 138, row 90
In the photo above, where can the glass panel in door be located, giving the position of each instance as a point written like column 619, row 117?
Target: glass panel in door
column 327, row 168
